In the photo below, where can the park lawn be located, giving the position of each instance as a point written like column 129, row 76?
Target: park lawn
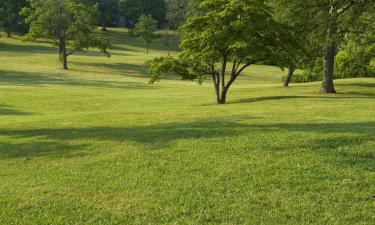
column 99, row 145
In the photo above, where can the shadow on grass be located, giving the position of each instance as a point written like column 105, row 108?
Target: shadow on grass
column 120, row 68
column 159, row 136
column 371, row 85
column 36, row 49
column 41, row 148
column 348, row 95
column 40, row 79
column 6, row 110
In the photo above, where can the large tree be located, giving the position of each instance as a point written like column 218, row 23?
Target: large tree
column 66, row 23
column 328, row 23
column 10, row 19
column 227, row 38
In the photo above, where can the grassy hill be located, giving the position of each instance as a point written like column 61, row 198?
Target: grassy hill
column 99, row 145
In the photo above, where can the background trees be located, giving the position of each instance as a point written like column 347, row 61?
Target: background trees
column 67, row 24
column 131, row 10
column 10, row 19
column 107, row 13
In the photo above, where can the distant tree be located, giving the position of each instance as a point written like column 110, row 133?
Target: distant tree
column 10, row 19
column 145, row 29
column 167, row 39
column 107, row 12
column 66, row 23
column 177, row 12
column 236, row 32
column 132, row 10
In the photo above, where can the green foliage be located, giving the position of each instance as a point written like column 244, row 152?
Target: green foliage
column 355, row 61
column 230, row 31
column 132, row 10
column 107, row 12
column 66, row 23
column 159, row 66
column 145, row 29
column 178, row 10
column 321, row 28
column 10, row 19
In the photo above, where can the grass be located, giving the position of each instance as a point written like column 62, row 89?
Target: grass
column 99, row 145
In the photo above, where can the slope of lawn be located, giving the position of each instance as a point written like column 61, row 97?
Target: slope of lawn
column 99, row 145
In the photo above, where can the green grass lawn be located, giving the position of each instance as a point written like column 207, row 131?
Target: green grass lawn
column 99, row 145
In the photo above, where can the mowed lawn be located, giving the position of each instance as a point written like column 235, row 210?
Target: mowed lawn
column 99, row 145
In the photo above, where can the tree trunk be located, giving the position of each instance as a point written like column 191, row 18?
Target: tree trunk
column 64, row 56
column 61, row 51
column 104, row 27
column 291, row 70
column 329, row 63
column 9, row 35
column 216, row 86
column 147, row 47
column 223, row 97
column 65, row 61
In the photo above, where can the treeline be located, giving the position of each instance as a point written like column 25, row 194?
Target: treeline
column 110, row 13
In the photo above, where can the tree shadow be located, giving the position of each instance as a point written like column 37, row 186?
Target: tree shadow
column 348, row 95
column 35, row 49
column 40, row 79
column 154, row 137
column 6, row 110
column 267, row 98
column 41, row 148
column 120, row 68
column 371, row 85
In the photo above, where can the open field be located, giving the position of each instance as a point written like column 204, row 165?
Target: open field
column 99, row 145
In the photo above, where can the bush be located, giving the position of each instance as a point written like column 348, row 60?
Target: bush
column 352, row 61
column 355, row 61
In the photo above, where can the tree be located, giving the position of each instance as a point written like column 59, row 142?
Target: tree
column 66, row 23
column 300, row 51
column 145, row 29
column 132, row 10
column 176, row 14
column 329, row 22
column 107, row 12
column 236, row 32
column 10, row 20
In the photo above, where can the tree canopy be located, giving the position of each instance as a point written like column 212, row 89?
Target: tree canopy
column 69, row 25
column 236, row 32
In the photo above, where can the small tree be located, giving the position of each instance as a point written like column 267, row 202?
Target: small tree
column 236, row 32
column 145, row 29
column 65, row 22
